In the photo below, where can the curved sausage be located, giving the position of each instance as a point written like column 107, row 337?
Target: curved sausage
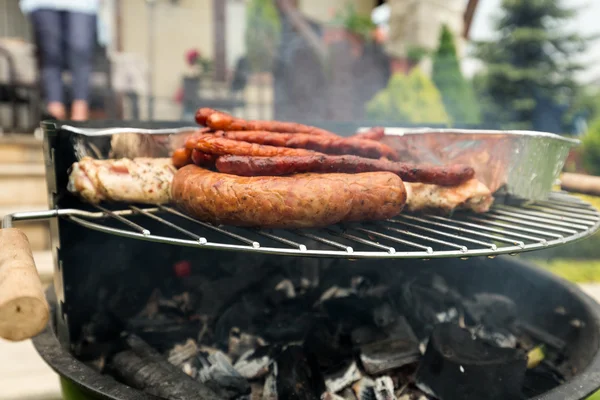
column 221, row 146
column 323, row 144
column 226, row 122
column 287, row 165
column 301, row 201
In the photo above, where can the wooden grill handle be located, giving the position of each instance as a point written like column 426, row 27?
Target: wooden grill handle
column 24, row 311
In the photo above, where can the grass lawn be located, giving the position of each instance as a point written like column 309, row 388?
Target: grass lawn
column 578, row 271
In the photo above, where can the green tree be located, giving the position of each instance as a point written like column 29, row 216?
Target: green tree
column 409, row 98
column 531, row 65
column 457, row 93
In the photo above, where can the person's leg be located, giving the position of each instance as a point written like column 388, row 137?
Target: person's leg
column 47, row 30
column 81, row 41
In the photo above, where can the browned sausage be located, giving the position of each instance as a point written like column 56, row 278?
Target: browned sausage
column 301, row 201
column 323, row 144
column 226, row 122
column 221, row 146
column 202, row 115
column 182, row 157
column 287, row 165
column 375, row 133
column 202, row 159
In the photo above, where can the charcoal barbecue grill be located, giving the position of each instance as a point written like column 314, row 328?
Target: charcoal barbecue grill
column 93, row 244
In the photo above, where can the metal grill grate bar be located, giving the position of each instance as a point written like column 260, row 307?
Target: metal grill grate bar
column 552, row 211
column 446, row 234
column 458, row 228
column 279, row 239
column 503, row 230
column 212, row 227
column 395, row 239
column 550, row 216
column 536, row 219
column 427, row 238
column 124, row 220
column 490, row 229
column 529, row 223
column 357, row 239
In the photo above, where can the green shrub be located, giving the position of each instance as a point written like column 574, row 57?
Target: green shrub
column 590, row 149
column 409, row 98
column 263, row 34
column 457, row 93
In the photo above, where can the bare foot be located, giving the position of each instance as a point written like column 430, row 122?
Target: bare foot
column 80, row 110
column 57, row 110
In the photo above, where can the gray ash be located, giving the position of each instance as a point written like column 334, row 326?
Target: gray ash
column 327, row 333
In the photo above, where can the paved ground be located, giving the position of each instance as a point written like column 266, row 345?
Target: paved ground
column 24, row 376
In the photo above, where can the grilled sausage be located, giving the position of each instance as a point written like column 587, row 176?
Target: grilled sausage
column 323, row 144
column 202, row 115
column 375, row 133
column 220, row 146
column 225, row 122
column 202, row 159
column 182, row 157
column 288, row 165
column 302, row 201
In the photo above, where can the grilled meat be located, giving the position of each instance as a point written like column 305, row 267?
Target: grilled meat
column 470, row 195
column 323, row 144
column 305, row 200
column 220, row 146
column 288, row 165
column 138, row 180
column 222, row 121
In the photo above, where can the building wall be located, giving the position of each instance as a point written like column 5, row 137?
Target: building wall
column 324, row 11
column 178, row 28
column 419, row 23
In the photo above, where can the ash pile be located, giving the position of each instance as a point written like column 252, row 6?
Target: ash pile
column 314, row 332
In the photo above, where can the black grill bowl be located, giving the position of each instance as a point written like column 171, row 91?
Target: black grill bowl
column 536, row 291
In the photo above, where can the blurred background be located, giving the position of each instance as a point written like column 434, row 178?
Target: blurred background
column 498, row 64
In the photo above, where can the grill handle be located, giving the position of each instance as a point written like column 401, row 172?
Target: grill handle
column 24, row 311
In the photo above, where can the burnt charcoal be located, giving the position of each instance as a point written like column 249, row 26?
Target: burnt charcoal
column 351, row 311
column 384, row 315
column 144, row 368
column 498, row 336
column 342, row 378
column 219, row 295
column 244, row 314
column 384, row 388
column 285, row 326
column 388, row 354
column 298, row 375
column 330, row 346
column 162, row 334
column 400, row 329
column 181, row 353
column 366, row 334
column 540, row 335
column 540, row 380
column 283, row 290
column 218, row 374
column 255, row 363
column 270, row 387
column 457, row 366
column 241, row 342
column 364, row 389
column 331, row 396
column 257, row 390
column 348, row 394
column 491, row 310
column 425, row 302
